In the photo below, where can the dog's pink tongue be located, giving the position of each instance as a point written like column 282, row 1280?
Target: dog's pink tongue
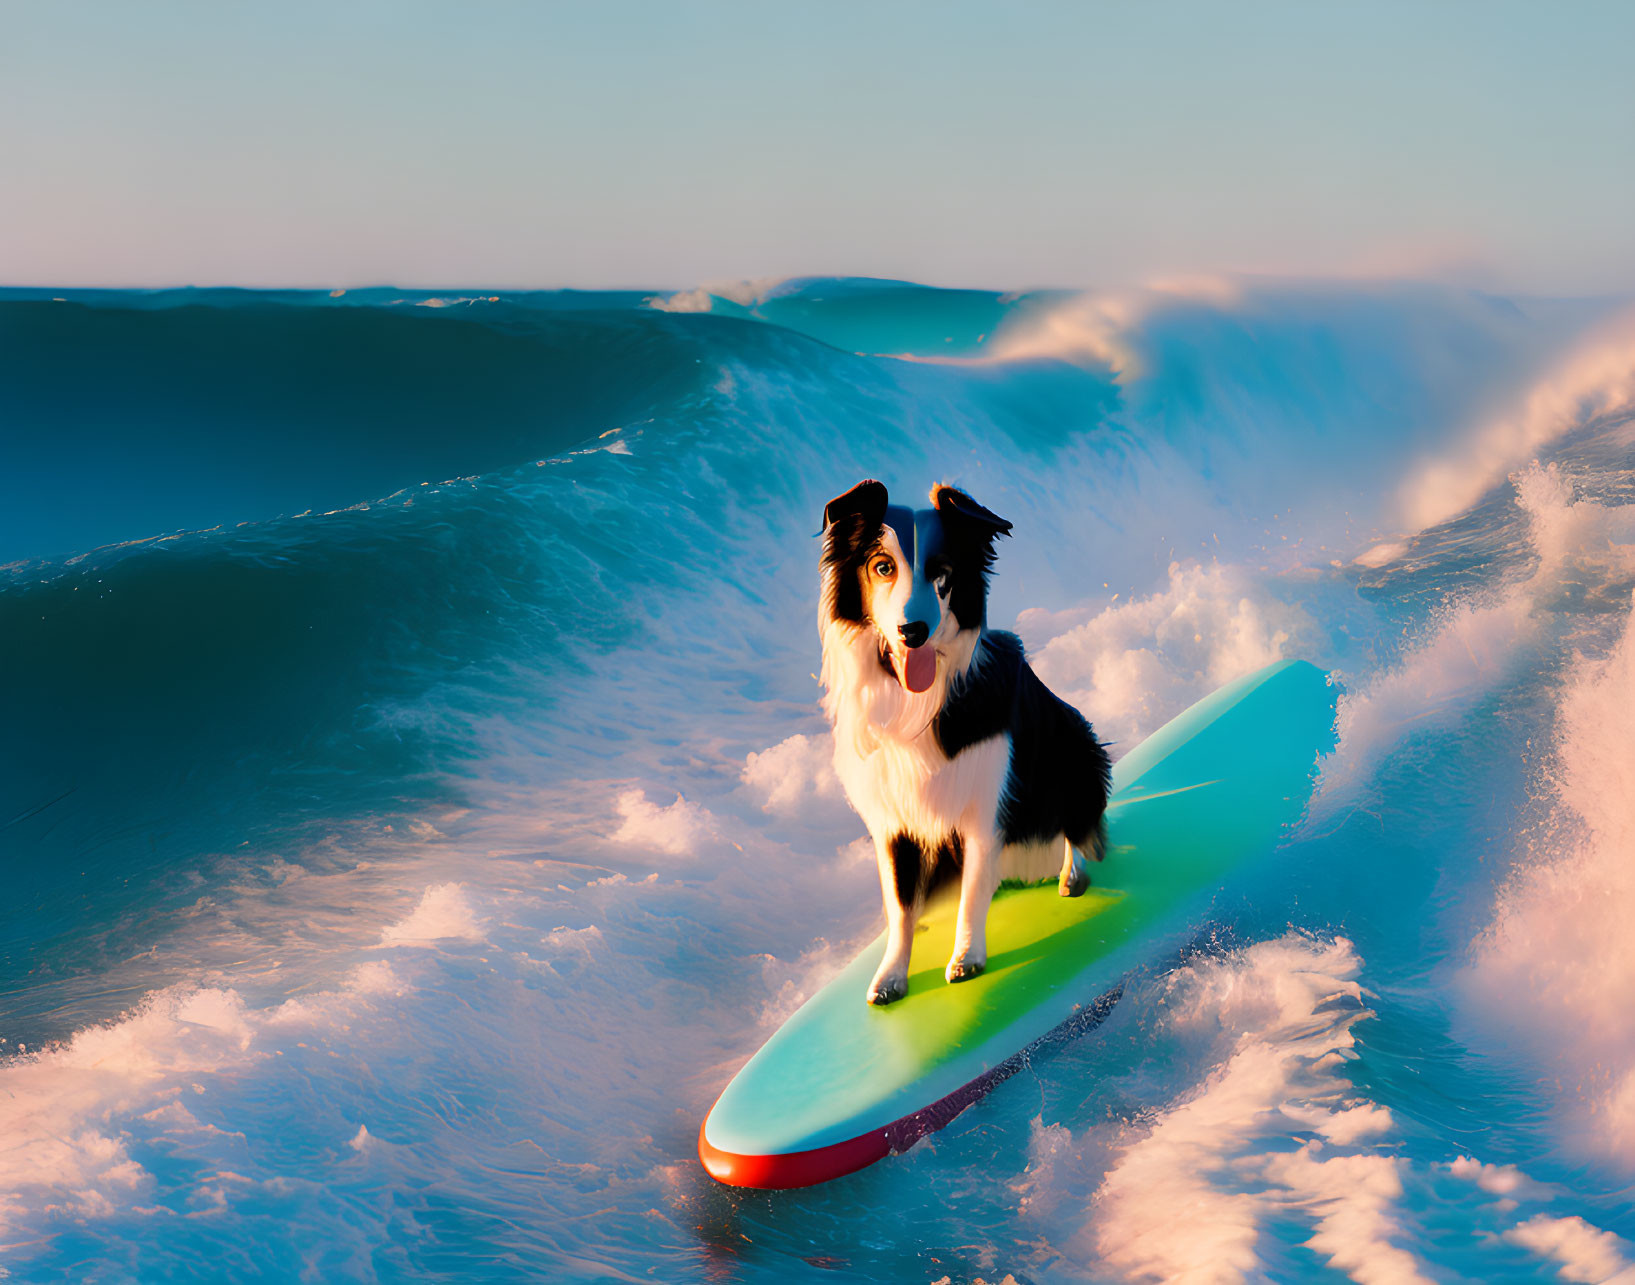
column 920, row 669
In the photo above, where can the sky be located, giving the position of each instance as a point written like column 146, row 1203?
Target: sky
column 633, row 144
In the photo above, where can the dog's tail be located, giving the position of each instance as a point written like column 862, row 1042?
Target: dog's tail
column 1095, row 843
column 1101, row 771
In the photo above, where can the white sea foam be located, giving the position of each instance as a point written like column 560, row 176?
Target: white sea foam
column 1556, row 966
column 1132, row 666
column 67, row 1113
column 443, row 914
column 1596, row 379
column 677, row 828
column 1465, row 653
column 1103, row 327
column 746, row 293
column 1282, row 1011
column 1355, row 1200
column 1381, row 554
column 585, row 942
column 796, row 775
column 1500, row 1180
column 792, row 983
column 1473, row 646
column 1570, row 534
column 696, row 300
column 1585, row 1253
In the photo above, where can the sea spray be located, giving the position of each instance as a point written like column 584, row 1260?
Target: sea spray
column 393, row 885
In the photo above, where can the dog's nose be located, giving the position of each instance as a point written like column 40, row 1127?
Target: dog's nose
column 915, row 632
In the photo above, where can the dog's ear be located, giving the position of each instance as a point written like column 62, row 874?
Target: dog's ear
column 867, row 498
column 970, row 531
column 954, row 503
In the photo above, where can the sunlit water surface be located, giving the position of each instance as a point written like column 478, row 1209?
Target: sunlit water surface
column 416, row 804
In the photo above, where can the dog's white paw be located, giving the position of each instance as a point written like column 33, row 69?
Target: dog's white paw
column 961, row 968
column 887, row 990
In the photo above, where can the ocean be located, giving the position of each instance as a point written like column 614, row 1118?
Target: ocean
column 415, row 801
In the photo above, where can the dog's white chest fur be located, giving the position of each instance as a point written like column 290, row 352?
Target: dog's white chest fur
column 887, row 757
column 909, row 787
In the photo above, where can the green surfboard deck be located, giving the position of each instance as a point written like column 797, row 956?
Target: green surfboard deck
column 1213, row 789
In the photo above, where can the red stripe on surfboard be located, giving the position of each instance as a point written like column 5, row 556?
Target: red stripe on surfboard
column 808, row 1168
column 795, row 1168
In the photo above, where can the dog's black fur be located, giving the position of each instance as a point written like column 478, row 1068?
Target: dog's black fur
column 1057, row 779
column 1059, row 775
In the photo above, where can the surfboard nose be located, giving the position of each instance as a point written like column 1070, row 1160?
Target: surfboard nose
column 792, row 1168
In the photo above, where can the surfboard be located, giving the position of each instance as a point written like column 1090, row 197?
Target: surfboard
column 843, row 1083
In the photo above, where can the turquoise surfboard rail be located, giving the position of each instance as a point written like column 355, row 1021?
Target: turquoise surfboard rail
column 843, row 1082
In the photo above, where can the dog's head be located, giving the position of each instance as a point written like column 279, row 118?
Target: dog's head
column 917, row 577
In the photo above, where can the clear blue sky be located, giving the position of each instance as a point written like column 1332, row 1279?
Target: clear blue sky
column 663, row 144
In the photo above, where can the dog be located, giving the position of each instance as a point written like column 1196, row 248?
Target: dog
column 956, row 756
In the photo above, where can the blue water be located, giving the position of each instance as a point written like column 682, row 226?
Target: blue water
column 415, row 806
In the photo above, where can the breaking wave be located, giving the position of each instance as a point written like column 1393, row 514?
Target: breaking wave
column 415, row 802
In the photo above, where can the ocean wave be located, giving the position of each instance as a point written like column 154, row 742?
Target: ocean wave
column 1473, row 644
column 1139, row 663
column 1594, row 380
column 1316, row 402
column 401, row 880
column 1555, row 967
column 128, row 423
column 1283, row 1012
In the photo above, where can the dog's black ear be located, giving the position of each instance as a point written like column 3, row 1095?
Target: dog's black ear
column 954, row 503
column 867, row 498
column 970, row 531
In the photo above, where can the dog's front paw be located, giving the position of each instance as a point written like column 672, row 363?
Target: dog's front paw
column 962, row 968
column 887, row 990
column 1075, row 876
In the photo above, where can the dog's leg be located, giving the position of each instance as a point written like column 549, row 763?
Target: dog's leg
column 899, row 861
column 978, row 881
column 1075, row 876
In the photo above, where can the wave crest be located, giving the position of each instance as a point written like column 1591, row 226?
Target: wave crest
column 1595, row 381
column 1556, row 966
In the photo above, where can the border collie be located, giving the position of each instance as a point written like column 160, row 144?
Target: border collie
column 958, row 759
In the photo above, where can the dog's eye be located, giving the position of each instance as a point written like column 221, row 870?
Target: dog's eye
column 885, row 568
